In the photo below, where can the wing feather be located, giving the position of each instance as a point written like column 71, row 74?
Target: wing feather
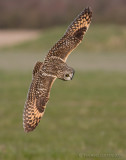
column 73, row 35
column 37, row 67
column 37, row 99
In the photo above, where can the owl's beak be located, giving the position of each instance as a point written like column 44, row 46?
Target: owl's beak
column 73, row 74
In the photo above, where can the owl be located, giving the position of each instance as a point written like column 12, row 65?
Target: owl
column 54, row 66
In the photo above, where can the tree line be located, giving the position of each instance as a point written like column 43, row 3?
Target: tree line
column 45, row 13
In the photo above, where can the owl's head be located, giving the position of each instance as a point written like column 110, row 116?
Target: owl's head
column 57, row 67
column 65, row 72
column 68, row 75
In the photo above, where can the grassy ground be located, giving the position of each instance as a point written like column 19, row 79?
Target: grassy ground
column 86, row 115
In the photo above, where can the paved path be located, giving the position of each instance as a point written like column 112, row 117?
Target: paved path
column 84, row 62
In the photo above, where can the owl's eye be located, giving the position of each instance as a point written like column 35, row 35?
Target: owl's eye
column 67, row 75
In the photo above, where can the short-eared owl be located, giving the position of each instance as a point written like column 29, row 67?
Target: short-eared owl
column 54, row 66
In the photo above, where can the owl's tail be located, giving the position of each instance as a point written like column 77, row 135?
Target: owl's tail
column 80, row 25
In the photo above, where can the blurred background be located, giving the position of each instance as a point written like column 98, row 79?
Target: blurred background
column 84, row 116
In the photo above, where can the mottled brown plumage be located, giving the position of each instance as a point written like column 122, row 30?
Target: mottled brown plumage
column 54, row 66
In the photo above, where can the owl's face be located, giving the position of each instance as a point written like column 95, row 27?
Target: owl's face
column 68, row 75
column 65, row 73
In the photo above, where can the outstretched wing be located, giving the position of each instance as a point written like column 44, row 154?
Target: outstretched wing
column 37, row 98
column 73, row 35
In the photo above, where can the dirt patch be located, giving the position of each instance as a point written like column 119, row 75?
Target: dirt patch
column 12, row 37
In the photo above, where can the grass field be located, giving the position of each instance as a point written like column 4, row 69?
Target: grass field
column 84, row 116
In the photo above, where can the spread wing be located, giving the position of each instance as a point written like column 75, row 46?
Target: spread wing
column 37, row 98
column 73, row 35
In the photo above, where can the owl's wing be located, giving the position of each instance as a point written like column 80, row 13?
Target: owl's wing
column 73, row 35
column 36, row 68
column 37, row 99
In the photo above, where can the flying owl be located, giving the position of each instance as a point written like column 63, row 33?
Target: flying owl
column 54, row 66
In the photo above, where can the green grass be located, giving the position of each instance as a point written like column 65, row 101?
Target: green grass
column 84, row 116
column 110, row 38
